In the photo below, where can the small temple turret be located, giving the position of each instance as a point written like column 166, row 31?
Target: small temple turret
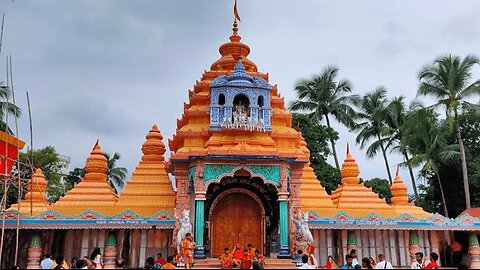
column 354, row 197
column 400, row 200
column 35, row 197
column 93, row 191
column 149, row 191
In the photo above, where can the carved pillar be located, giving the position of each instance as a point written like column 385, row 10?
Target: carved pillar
column 284, row 247
column 110, row 251
column 435, row 244
column 351, row 241
column 199, row 225
column 34, row 252
column 474, row 251
column 413, row 245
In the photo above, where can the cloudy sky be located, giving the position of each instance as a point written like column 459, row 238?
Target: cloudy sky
column 111, row 69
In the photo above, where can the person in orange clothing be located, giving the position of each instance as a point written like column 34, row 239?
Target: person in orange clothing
column 237, row 256
column 169, row 264
column 330, row 263
column 433, row 261
column 247, row 259
column 226, row 259
column 259, row 257
column 187, row 246
column 251, row 250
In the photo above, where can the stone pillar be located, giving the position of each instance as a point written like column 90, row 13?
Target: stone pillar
column 413, row 246
column 351, row 241
column 283, row 225
column 474, row 251
column 199, row 225
column 34, row 252
column 110, row 251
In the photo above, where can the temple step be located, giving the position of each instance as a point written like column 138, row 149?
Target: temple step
column 270, row 263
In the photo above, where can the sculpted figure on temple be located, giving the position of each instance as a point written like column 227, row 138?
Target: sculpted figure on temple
column 185, row 227
column 303, row 237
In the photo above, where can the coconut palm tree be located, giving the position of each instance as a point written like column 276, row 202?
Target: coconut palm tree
column 116, row 175
column 323, row 96
column 447, row 80
column 397, row 118
column 6, row 108
column 371, row 113
column 431, row 150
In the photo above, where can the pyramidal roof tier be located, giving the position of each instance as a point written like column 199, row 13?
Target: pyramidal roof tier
column 194, row 136
column 35, row 201
column 354, row 197
column 93, row 192
column 313, row 196
column 149, row 191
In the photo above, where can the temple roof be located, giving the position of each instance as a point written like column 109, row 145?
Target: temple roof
column 93, row 192
column 193, row 138
column 35, row 201
column 149, row 190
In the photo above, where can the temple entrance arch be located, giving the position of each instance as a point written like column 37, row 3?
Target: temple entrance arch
column 237, row 215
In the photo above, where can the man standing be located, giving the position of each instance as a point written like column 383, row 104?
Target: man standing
column 349, row 262
column 47, row 262
column 433, row 261
column 420, row 263
column 382, row 264
column 187, row 246
column 305, row 264
column 354, row 254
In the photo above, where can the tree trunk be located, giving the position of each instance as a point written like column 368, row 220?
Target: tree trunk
column 444, row 202
column 464, row 161
column 334, row 150
column 414, row 185
column 386, row 160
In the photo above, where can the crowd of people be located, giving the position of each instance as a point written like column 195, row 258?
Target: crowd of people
column 248, row 258
column 352, row 262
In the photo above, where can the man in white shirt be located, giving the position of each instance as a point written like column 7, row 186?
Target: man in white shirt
column 420, row 263
column 382, row 264
column 354, row 254
column 47, row 262
column 305, row 264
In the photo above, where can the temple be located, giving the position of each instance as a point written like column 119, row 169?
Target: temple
column 242, row 175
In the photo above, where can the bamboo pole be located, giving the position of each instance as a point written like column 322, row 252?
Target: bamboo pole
column 5, row 185
column 31, row 151
column 19, row 194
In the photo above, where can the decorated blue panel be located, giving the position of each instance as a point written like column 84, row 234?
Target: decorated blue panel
column 240, row 101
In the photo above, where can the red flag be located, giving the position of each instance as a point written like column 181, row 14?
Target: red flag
column 235, row 12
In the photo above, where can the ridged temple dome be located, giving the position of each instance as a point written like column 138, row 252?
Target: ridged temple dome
column 149, row 190
column 36, row 187
column 350, row 170
column 96, row 162
column 35, row 201
column 232, row 51
column 153, row 148
column 399, row 191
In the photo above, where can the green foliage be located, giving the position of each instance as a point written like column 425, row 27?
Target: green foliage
column 73, row 177
column 116, row 175
column 324, row 96
column 8, row 107
column 317, row 135
column 47, row 159
column 381, row 187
